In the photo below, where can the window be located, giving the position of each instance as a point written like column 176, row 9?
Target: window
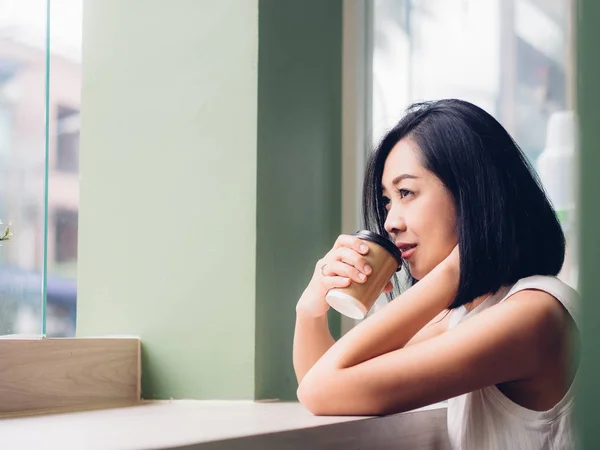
column 63, row 171
column 39, row 245
column 22, row 159
column 511, row 57
column 67, row 143
column 65, row 231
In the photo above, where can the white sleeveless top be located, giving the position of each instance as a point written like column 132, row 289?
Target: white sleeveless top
column 488, row 420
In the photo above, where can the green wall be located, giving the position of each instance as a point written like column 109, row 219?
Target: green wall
column 299, row 171
column 168, row 189
column 210, row 184
column 588, row 100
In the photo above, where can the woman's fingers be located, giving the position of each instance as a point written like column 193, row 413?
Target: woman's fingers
column 352, row 258
column 341, row 269
column 332, row 282
column 358, row 245
column 345, row 261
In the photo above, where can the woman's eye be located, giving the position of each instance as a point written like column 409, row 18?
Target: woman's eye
column 386, row 202
column 404, row 192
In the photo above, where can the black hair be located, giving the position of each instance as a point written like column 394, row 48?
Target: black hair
column 506, row 226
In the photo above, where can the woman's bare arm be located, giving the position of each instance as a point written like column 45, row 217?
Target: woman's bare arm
column 370, row 371
column 311, row 340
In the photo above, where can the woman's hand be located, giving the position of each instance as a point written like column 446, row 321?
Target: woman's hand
column 344, row 264
column 447, row 273
column 452, row 262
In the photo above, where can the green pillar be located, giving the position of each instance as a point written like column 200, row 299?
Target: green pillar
column 588, row 104
column 210, row 174
column 299, row 171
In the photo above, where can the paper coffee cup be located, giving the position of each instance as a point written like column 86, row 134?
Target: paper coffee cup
column 356, row 300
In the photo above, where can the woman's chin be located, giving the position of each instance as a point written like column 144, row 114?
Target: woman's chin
column 417, row 272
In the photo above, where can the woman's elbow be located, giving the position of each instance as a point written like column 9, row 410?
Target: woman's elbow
column 310, row 399
column 321, row 401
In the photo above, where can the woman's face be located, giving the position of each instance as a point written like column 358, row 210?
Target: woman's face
column 421, row 218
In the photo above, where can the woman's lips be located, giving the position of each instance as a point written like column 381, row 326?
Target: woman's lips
column 407, row 251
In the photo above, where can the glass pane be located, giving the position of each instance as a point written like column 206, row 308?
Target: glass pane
column 22, row 163
column 511, row 57
column 63, row 165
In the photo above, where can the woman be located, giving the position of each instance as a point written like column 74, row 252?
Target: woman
column 487, row 325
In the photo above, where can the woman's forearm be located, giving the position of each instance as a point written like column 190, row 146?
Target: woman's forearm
column 312, row 339
column 393, row 327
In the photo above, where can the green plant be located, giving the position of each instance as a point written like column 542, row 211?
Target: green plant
column 5, row 236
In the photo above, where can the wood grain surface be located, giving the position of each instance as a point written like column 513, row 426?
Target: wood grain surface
column 38, row 375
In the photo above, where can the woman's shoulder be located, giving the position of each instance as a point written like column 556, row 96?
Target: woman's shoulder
column 553, row 286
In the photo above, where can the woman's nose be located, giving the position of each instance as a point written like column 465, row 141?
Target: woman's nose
column 394, row 222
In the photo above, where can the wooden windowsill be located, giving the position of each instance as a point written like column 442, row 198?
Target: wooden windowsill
column 231, row 425
column 40, row 375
